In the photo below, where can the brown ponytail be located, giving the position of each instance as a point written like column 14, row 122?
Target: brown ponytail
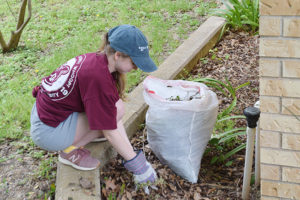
column 119, row 78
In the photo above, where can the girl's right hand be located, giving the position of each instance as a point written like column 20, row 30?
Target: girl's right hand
column 142, row 170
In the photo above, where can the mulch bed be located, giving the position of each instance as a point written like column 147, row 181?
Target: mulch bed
column 236, row 58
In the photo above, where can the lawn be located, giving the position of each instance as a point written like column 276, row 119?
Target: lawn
column 60, row 30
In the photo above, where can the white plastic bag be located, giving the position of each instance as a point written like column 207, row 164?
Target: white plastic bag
column 179, row 122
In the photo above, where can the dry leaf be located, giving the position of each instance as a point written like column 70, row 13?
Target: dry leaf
column 198, row 189
column 104, row 192
column 172, row 187
column 128, row 195
column 110, row 184
column 197, row 196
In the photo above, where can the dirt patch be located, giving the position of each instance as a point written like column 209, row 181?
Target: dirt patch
column 234, row 58
column 24, row 174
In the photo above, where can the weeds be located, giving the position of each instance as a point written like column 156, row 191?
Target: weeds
column 46, row 168
column 50, row 193
column 4, row 185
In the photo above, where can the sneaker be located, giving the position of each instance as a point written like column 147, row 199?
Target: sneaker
column 79, row 159
column 100, row 139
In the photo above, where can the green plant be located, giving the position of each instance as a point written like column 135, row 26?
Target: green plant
column 213, row 53
column 204, row 60
column 204, row 8
column 50, row 193
column 226, row 88
column 38, row 154
column 122, row 190
column 4, row 185
column 240, row 14
column 3, row 159
column 112, row 196
column 225, row 132
column 226, row 140
column 46, row 169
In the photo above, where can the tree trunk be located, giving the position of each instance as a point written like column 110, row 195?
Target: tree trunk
column 16, row 35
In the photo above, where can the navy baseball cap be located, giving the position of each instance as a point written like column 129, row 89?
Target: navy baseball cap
column 130, row 40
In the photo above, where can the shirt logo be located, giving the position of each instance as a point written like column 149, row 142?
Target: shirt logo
column 61, row 82
column 62, row 70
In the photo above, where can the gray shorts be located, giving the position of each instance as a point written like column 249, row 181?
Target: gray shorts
column 53, row 138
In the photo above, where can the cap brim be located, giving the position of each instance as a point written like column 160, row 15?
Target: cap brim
column 144, row 63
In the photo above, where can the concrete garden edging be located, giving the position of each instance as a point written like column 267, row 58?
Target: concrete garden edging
column 178, row 64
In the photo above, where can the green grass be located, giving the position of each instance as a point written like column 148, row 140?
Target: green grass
column 60, row 30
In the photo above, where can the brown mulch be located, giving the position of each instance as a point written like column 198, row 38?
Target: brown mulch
column 234, row 58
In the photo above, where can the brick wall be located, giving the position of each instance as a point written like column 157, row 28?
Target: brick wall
column 280, row 92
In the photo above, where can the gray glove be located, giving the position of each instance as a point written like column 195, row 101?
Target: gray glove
column 142, row 171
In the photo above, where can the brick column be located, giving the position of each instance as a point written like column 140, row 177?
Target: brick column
column 279, row 96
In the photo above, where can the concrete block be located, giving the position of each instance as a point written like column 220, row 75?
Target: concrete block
column 291, row 27
column 280, row 157
column 291, row 68
column 281, row 123
column 288, row 48
column 291, row 174
column 279, row 7
column 270, row 26
column 269, row 104
column 269, row 198
column 270, row 86
column 291, row 142
column 270, row 172
column 279, row 87
column 291, row 106
column 290, row 87
column 269, row 67
column 269, row 139
column 279, row 189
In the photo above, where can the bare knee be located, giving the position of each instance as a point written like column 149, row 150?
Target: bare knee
column 120, row 110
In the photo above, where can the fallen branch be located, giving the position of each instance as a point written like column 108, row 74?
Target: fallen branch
column 217, row 186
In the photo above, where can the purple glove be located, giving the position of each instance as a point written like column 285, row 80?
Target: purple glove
column 141, row 169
